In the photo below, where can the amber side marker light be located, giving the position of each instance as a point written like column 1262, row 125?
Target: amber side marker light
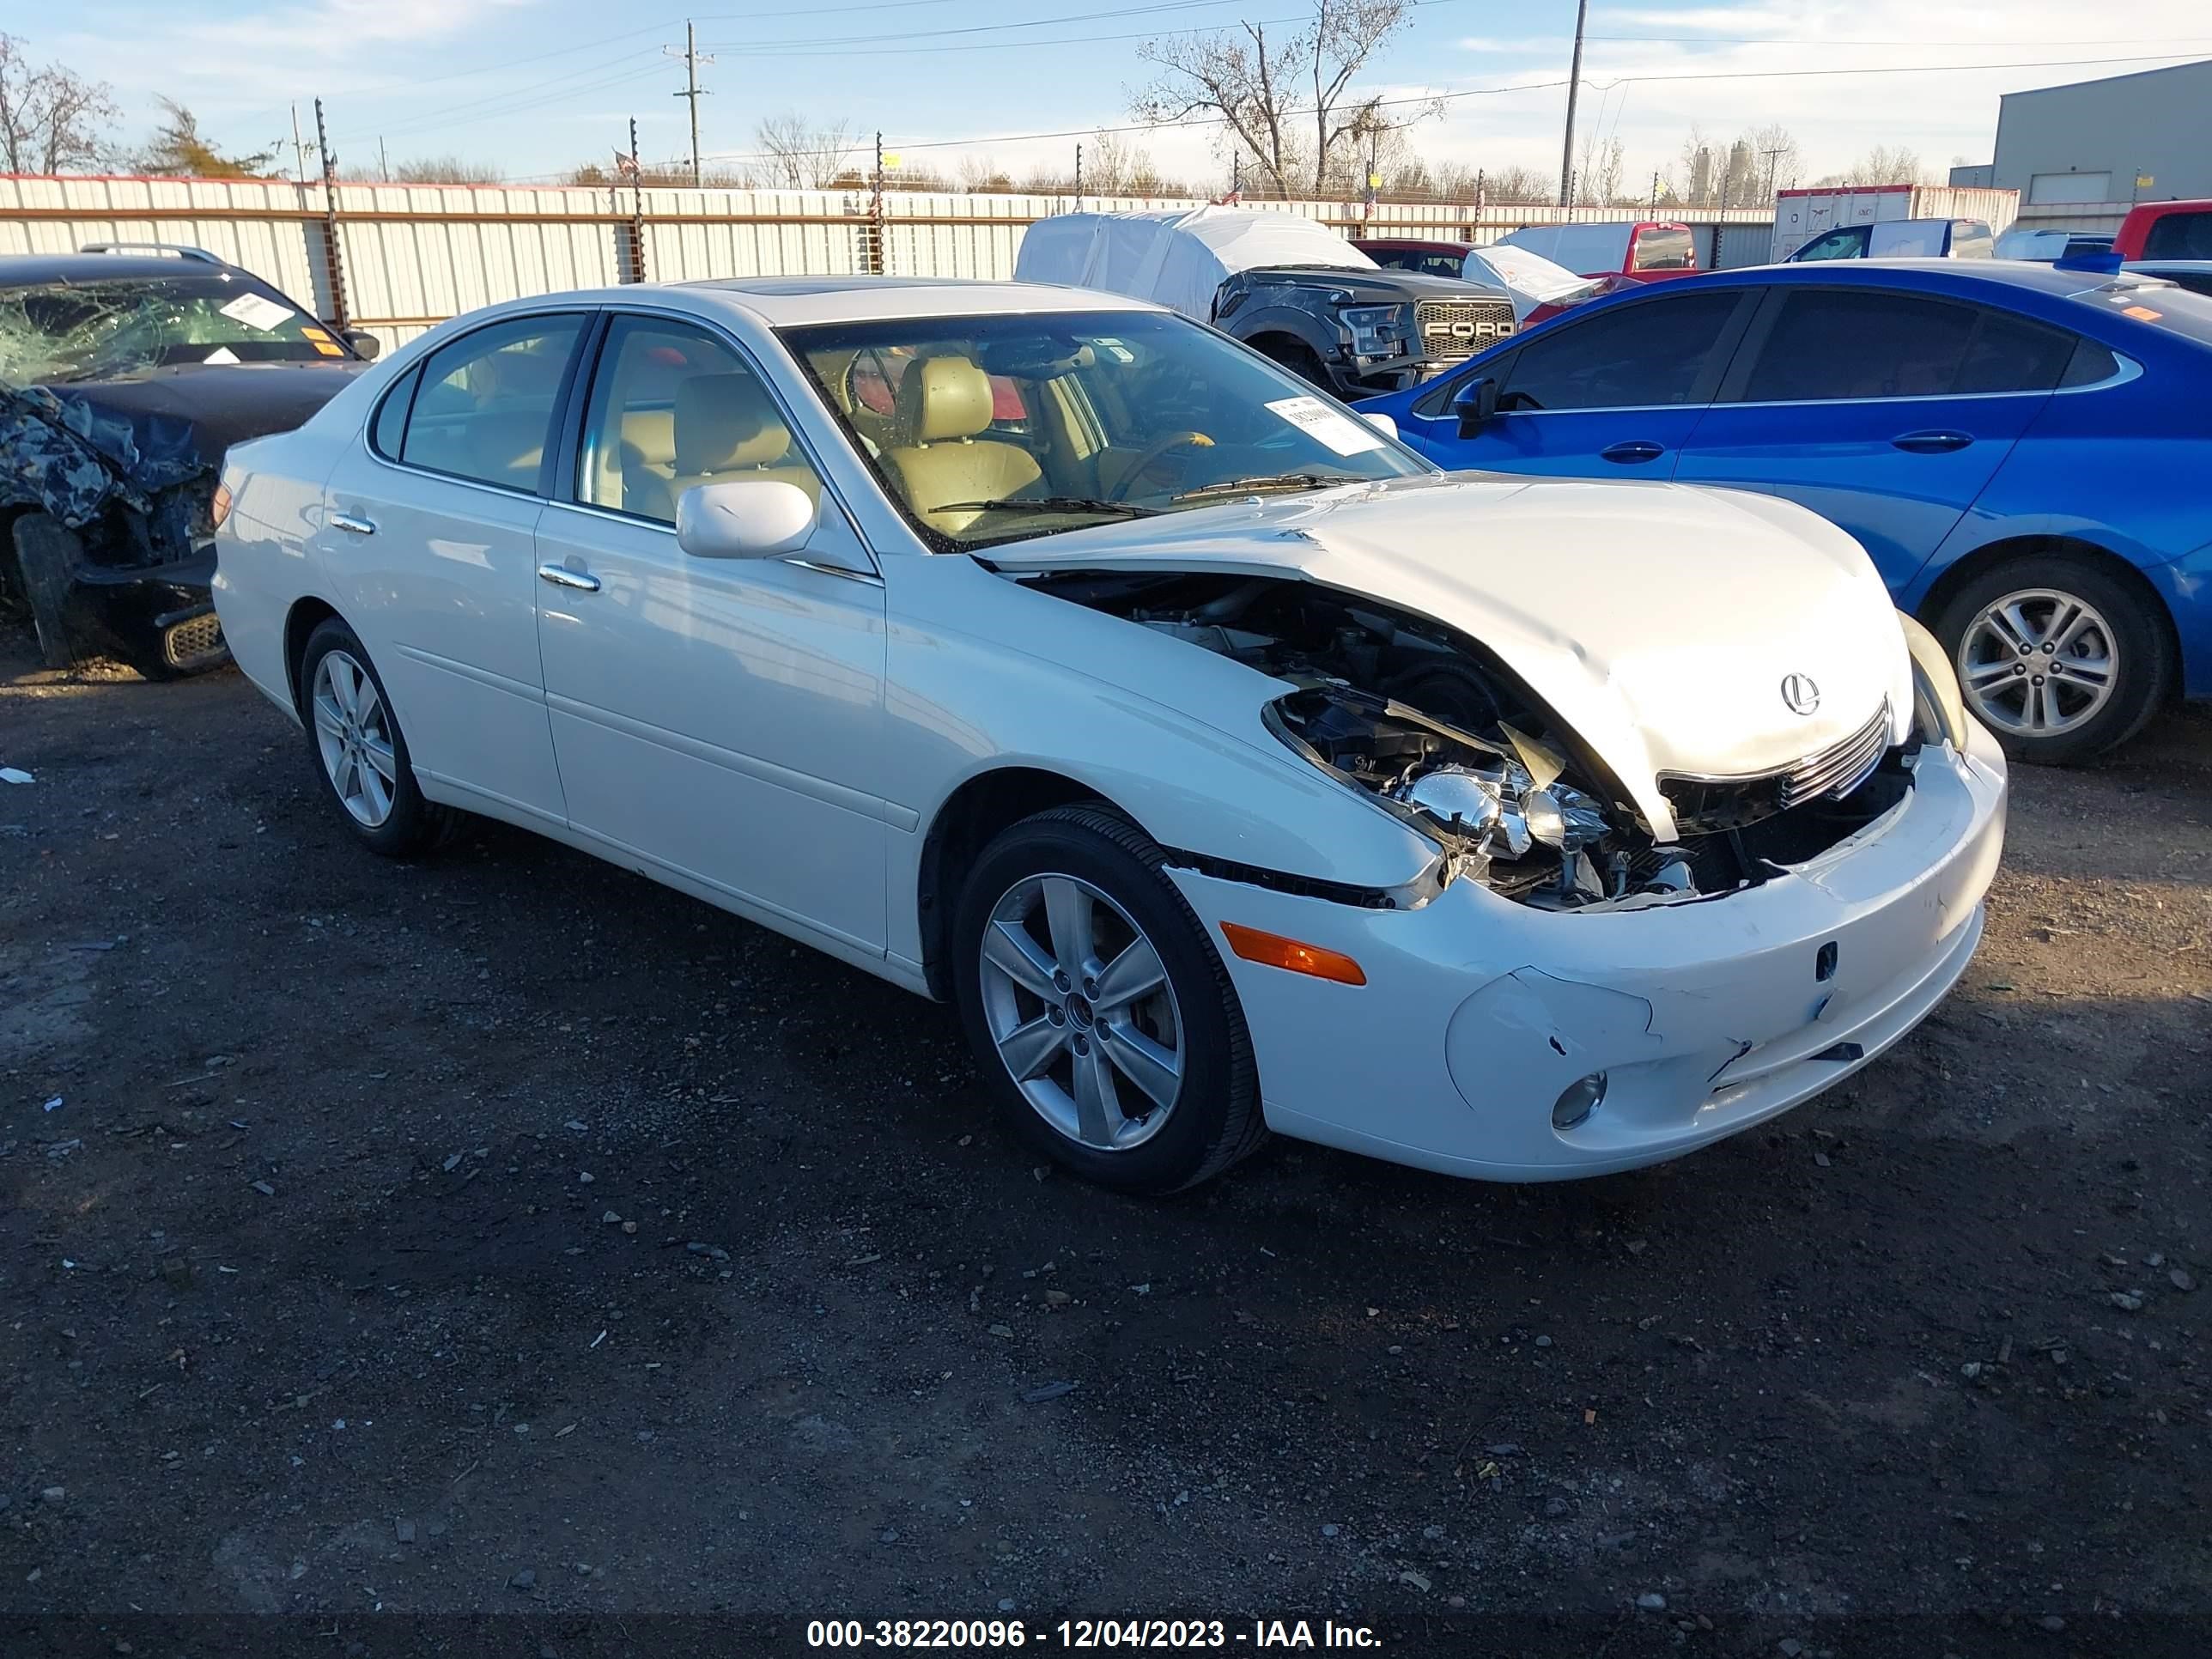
column 221, row 504
column 1276, row 952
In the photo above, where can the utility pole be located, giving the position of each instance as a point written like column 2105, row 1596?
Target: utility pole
column 330, row 217
column 1574, row 86
column 691, row 89
column 1773, row 161
column 299, row 149
column 383, row 161
column 1078, row 177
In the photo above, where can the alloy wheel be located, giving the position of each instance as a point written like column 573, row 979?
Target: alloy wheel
column 353, row 735
column 2038, row 662
column 1080, row 1008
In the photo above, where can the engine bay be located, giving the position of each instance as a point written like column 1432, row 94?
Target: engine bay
column 1444, row 736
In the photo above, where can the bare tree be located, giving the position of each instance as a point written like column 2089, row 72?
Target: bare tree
column 804, row 154
column 1286, row 102
column 1885, row 164
column 51, row 120
column 1598, row 169
column 1781, row 161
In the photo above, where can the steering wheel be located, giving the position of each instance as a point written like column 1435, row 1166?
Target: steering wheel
column 1151, row 454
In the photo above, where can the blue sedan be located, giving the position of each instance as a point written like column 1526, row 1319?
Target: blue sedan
column 2024, row 449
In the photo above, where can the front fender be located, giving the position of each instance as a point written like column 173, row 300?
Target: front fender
column 985, row 674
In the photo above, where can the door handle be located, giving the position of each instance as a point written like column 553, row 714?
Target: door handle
column 561, row 576
column 1632, row 451
column 1931, row 443
column 358, row 526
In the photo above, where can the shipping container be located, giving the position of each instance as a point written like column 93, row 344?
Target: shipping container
column 1801, row 215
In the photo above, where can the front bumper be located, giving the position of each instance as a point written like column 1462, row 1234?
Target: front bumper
column 1707, row 1017
column 160, row 618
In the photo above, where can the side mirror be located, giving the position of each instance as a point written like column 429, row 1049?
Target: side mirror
column 364, row 343
column 757, row 519
column 1476, row 403
column 1382, row 422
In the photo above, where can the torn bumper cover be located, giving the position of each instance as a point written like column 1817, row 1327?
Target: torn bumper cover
column 110, row 544
column 1489, row 1026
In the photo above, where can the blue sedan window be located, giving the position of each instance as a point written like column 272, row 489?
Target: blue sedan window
column 1840, row 344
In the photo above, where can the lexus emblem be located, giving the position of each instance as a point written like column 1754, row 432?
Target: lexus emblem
column 1800, row 694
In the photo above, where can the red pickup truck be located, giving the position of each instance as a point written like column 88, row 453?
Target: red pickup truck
column 2166, row 230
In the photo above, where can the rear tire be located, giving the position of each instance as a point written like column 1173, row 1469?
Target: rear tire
column 358, row 751
column 1061, row 918
column 2059, row 658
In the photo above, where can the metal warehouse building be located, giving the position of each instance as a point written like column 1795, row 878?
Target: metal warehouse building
column 2078, row 155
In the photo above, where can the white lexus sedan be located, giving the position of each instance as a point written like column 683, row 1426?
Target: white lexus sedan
column 1229, row 766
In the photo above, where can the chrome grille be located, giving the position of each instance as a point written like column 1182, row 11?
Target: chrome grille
column 1706, row 806
column 1841, row 767
column 1460, row 328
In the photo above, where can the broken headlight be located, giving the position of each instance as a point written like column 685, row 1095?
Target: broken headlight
column 1503, row 811
column 1939, row 713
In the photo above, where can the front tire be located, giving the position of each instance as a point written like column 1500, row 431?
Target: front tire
column 1102, row 1019
column 358, row 751
column 1295, row 356
column 2060, row 658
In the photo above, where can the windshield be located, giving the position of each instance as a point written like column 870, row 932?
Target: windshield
column 60, row 332
column 994, row 428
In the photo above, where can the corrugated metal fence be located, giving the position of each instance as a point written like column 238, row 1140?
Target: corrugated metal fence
column 405, row 256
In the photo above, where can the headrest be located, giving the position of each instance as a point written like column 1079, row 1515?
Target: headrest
column 724, row 422
column 942, row 397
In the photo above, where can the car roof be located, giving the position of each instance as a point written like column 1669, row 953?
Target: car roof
column 1953, row 276
column 787, row 301
column 17, row 270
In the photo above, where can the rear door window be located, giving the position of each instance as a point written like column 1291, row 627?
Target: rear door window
column 1849, row 345
column 1648, row 353
column 485, row 408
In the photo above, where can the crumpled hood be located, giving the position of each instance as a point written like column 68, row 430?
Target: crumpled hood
column 223, row 403
column 1658, row 621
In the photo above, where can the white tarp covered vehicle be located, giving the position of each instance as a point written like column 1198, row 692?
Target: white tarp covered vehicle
column 1529, row 279
column 1178, row 257
column 1289, row 287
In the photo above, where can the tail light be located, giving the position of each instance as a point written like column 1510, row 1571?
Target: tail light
column 221, row 509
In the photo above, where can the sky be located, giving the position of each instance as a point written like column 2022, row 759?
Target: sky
column 534, row 86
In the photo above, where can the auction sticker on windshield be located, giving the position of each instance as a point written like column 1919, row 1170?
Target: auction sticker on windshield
column 257, row 313
column 1339, row 432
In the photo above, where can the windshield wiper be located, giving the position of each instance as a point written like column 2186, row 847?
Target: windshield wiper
column 1269, row 480
column 1050, row 504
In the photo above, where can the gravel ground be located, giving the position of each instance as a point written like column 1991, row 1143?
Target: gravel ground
column 504, row 1234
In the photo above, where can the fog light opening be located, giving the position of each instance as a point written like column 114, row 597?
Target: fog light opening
column 1577, row 1101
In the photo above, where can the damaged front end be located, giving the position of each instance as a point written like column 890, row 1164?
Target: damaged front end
column 1445, row 736
column 109, row 520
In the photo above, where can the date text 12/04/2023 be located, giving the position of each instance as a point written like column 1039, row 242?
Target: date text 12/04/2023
column 1081, row 1634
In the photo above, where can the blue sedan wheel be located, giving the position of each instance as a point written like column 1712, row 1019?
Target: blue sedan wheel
column 2057, row 655
column 2038, row 663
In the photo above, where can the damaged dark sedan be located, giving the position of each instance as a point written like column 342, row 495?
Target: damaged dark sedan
column 124, row 377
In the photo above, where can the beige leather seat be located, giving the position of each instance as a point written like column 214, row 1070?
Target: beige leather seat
column 727, row 429
column 943, row 403
column 636, row 468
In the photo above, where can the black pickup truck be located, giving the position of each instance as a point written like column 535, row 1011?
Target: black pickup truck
column 1360, row 333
